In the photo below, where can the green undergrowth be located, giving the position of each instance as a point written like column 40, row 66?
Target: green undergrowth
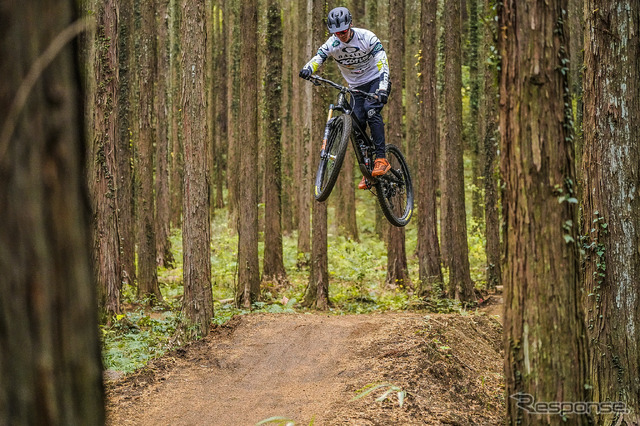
column 357, row 275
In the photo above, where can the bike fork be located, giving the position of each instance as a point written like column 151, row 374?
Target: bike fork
column 326, row 133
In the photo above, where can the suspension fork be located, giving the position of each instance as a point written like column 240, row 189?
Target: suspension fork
column 323, row 152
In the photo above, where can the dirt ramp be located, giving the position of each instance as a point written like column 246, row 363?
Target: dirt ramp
column 309, row 366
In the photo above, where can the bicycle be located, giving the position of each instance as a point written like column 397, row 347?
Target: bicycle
column 393, row 189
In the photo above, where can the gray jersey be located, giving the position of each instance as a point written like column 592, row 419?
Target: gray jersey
column 360, row 61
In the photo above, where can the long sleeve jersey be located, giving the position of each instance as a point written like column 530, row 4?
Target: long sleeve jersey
column 360, row 61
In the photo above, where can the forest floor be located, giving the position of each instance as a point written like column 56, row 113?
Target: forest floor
column 309, row 367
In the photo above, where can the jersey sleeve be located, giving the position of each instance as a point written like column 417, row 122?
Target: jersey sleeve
column 380, row 59
column 320, row 57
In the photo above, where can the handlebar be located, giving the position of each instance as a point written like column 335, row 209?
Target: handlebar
column 318, row 81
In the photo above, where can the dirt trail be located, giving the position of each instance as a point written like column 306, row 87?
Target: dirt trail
column 309, row 366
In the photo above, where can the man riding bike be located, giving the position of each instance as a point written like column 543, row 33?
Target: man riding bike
column 363, row 64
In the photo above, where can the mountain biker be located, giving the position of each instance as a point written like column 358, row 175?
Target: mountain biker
column 363, row 64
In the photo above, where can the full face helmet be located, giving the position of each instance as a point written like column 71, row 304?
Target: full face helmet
column 339, row 19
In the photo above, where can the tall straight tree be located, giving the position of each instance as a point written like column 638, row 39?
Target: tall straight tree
column 126, row 123
column 163, row 199
column 303, row 171
column 176, row 164
column 248, row 288
column 397, row 270
column 411, row 64
column 489, row 140
column 288, row 131
column 103, row 164
column 232, row 8
column 50, row 367
column 611, row 205
column 430, row 272
column 545, row 345
column 196, row 234
column 454, row 224
column 318, row 289
column 477, row 157
column 145, row 208
column 220, row 84
column 273, row 264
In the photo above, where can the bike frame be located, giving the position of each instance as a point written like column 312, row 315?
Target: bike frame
column 362, row 144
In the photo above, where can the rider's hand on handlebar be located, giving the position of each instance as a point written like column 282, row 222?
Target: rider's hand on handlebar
column 383, row 96
column 305, row 73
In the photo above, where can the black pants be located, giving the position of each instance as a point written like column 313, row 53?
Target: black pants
column 367, row 111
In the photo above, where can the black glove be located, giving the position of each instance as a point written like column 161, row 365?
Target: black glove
column 383, row 96
column 305, row 73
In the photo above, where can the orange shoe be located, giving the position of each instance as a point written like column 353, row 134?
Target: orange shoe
column 364, row 184
column 380, row 167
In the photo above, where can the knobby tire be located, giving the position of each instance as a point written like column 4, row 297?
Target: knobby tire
column 395, row 189
column 329, row 167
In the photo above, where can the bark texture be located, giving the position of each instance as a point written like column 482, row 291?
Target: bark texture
column 303, row 171
column 454, row 221
column 248, row 288
column 163, row 199
column 611, row 205
column 545, row 346
column 124, row 154
column 489, row 137
column 196, row 233
column 103, row 164
column 50, row 366
column 176, row 164
column 318, row 290
column 273, row 265
column 430, row 272
column 397, row 271
column 145, row 207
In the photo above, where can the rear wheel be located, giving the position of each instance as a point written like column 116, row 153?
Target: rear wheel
column 331, row 162
column 394, row 189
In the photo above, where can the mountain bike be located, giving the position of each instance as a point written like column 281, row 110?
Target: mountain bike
column 393, row 189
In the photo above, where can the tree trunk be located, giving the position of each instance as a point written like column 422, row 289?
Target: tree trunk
column 220, row 83
column 289, row 73
column 103, row 164
column 248, row 289
column 50, row 366
column 198, row 298
column 412, row 102
column 124, row 155
column 430, row 272
column 233, row 147
column 545, row 346
column 319, row 274
column 176, row 165
column 163, row 199
column 273, row 260
column 490, row 144
column 611, row 207
column 576, row 25
column 145, row 209
column 211, row 25
column 397, row 271
column 453, row 205
column 477, row 157
column 304, row 149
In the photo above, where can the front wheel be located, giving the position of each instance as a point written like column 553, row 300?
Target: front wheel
column 331, row 161
column 394, row 189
